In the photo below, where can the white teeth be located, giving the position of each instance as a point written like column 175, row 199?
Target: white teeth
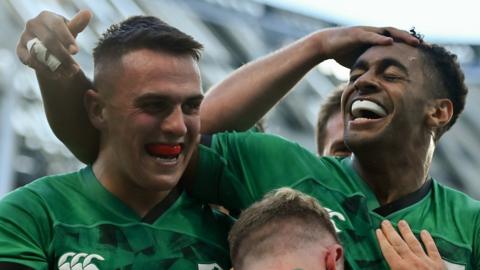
column 366, row 105
column 167, row 160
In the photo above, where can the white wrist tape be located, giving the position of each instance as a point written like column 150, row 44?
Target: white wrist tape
column 36, row 47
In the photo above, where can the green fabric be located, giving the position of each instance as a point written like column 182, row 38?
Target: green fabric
column 239, row 168
column 75, row 216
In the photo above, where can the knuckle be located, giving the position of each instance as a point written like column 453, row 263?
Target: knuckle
column 30, row 24
column 58, row 22
column 44, row 13
column 49, row 43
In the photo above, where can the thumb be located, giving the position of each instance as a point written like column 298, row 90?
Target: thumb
column 79, row 22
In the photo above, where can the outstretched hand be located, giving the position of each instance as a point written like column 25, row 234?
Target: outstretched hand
column 405, row 252
column 58, row 35
column 345, row 44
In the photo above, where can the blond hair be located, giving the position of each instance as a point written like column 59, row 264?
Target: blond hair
column 283, row 221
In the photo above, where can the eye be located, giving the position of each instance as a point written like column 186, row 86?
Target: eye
column 155, row 107
column 354, row 76
column 191, row 106
column 391, row 77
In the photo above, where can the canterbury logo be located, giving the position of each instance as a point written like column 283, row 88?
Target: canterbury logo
column 210, row 266
column 337, row 215
column 78, row 261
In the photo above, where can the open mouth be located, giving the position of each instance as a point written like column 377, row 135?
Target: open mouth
column 164, row 152
column 366, row 109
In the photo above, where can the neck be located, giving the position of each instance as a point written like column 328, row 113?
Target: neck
column 139, row 199
column 392, row 176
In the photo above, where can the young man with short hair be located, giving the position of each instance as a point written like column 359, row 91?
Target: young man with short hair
column 129, row 209
column 235, row 170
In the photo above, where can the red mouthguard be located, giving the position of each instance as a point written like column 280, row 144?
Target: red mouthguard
column 164, row 149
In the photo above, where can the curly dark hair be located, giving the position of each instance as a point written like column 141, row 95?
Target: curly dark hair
column 450, row 81
column 144, row 32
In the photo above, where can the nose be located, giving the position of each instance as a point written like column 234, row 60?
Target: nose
column 367, row 83
column 174, row 123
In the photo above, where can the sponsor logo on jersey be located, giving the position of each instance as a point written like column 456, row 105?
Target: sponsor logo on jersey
column 210, row 266
column 336, row 215
column 78, row 261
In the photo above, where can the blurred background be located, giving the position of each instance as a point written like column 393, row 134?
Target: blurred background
column 234, row 32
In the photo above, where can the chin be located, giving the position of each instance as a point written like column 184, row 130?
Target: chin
column 357, row 143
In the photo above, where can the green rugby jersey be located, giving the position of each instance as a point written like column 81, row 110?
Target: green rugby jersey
column 239, row 168
column 72, row 222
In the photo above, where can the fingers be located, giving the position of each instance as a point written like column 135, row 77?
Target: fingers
column 53, row 32
column 410, row 238
column 394, row 238
column 402, row 35
column 22, row 51
column 386, row 36
column 391, row 256
column 430, row 246
column 27, row 58
column 79, row 22
column 55, row 41
column 375, row 36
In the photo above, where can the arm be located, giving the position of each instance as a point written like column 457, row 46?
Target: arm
column 405, row 252
column 248, row 93
column 62, row 89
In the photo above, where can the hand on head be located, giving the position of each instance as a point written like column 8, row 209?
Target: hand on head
column 345, row 44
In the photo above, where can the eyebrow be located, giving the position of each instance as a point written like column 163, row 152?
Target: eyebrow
column 384, row 64
column 165, row 98
column 360, row 64
column 388, row 62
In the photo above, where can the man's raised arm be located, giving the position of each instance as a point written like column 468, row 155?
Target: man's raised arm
column 234, row 104
column 63, row 84
column 248, row 93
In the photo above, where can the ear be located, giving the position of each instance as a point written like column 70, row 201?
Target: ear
column 95, row 107
column 439, row 113
column 334, row 258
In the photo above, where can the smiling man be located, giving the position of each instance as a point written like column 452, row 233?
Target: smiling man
column 399, row 101
column 128, row 210
column 386, row 178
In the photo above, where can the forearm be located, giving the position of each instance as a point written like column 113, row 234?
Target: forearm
column 64, row 106
column 244, row 97
column 248, row 93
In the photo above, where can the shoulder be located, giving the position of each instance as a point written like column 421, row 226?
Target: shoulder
column 449, row 195
column 41, row 190
column 246, row 137
column 457, row 202
column 255, row 142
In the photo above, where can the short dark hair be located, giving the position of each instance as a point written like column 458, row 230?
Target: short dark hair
column 330, row 107
column 144, row 32
column 451, row 80
column 261, row 226
column 134, row 33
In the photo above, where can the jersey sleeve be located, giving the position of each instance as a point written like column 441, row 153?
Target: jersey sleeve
column 237, row 169
column 23, row 230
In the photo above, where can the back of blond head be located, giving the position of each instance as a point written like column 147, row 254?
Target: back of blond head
column 285, row 220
